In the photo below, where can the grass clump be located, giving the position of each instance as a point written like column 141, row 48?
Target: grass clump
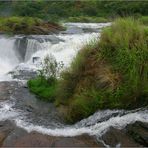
column 44, row 86
column 45, row 90
column 144, row 20
column 112, row 73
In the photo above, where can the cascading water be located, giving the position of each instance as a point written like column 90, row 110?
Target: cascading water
column 64, row 47
column 8, row 58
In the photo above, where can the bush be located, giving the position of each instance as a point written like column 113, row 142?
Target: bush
column 18, row 24
column 43, row 89
column 28, row 25
column 113, row 73
column 44, row 86
column 144, row 20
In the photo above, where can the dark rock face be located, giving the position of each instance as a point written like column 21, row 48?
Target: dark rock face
column 6, row 128
column 113, row 137
column 134, row 135
column 21, row 43
column 20, row 47
column 20, row 138
column 25, row 74
column 139, row 132
column 73, row 30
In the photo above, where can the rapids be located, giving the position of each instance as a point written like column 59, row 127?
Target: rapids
column 19, row 51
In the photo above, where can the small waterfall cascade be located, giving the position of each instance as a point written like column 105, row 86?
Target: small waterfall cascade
column 8, row 56
column 34, row 45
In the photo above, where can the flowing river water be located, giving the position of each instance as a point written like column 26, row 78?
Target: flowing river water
column 27, row 112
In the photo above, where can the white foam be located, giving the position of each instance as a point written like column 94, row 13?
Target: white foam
column 8, row 59
column 88, row 25
column 97, row 129
column 65, row 51
column 6, row 111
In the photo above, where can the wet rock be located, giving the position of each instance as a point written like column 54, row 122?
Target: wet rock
column 21, row 43
column 139, row 132
column 88, row 30
column 73, row 30
column 45, row 38
column 20, row 138
column 114, row 137
column 22, row 72
column 35, row 59
column 7, row 89
column 20, row 47
column 6, row 128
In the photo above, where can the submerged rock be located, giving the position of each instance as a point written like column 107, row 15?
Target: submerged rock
column 73, row 30
column 139, row 132
column 23, row 72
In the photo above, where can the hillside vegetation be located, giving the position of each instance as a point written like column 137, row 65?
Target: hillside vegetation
column 79, row 10
column 27, row 25
column 109, row 73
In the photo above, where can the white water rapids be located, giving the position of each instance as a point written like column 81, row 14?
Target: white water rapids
column 64, row 50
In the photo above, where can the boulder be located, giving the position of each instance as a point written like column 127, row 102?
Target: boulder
column 114, row 137
column 139, row 132
column 6, row 128
column 21, row 138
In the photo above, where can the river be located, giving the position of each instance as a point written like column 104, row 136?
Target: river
column 19, row 58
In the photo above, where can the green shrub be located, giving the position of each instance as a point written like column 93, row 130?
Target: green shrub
column 18, row 24
column 44, row 89
column 44, row 86
column 113, row 73
column 144, row 20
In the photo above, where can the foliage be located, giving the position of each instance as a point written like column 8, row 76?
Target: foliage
column 27, row 25
column 144, row 20
column 44, row 86
column 18, row 24
column 57, row 10
column 112, row 73
column 50, row 68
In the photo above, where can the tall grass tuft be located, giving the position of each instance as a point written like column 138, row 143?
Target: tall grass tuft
column 112, row 73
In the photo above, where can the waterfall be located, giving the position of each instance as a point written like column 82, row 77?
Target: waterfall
column 8, row 58
column 19, row 51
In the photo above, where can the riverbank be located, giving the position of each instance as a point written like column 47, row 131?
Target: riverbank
column 27, row 25
column 109, row 73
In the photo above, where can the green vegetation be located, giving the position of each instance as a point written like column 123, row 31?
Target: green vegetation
column 44, row 86
column 44, row 89
column 27, row 25
column 112, row 73
column 144, row 20
column 109, row 73
column 65, row 10
column 35, row 17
